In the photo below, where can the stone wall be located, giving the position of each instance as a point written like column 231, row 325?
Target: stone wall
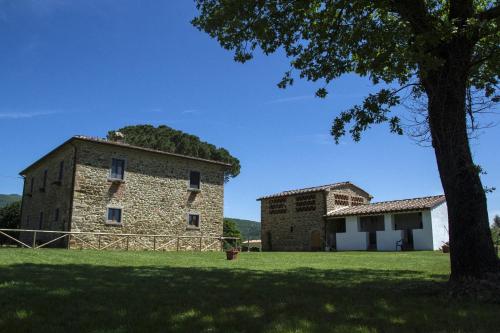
column 293, row 230
column 55, row 195
column 154, row 198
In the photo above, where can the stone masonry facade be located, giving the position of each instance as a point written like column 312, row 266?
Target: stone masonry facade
column 154, row 197
column 295, row 220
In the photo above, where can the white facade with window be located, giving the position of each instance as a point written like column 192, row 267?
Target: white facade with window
column 419, row 229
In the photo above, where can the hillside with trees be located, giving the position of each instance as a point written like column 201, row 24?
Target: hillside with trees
column 167, row 139
column 7, row 199
column 248, row 229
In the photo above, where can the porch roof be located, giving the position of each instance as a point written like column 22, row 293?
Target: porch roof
column 389, row 206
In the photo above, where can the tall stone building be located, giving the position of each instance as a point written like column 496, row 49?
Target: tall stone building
column 95, row 185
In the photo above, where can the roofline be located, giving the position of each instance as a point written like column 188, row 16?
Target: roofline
column 116, row 144
column 437, row 203
column 312, row 189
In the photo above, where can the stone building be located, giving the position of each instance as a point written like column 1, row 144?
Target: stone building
column 95, row 185
column 341, row 216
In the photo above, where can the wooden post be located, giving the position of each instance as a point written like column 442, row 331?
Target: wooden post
column 127, row 243
column 221, row 244
column 154, row 243
column 69, row 241
column 201, row 246
column 34, row 240
column 178, row 243
column 99, row 241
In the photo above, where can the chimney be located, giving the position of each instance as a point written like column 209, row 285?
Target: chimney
column 118, row 137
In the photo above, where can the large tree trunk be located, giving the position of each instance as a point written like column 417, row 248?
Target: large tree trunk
column 471, row 245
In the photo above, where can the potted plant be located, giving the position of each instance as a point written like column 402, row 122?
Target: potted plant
column 232, row 253
column 445, row 247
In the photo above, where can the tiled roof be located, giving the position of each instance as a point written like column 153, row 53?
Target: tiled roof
column 113, row 143
column 389, row 206
column 312, row 189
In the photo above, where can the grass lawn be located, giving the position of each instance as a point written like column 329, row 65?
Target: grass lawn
column 89, row 291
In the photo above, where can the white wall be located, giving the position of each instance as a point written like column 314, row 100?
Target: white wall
column 422, row 238
column 352, row 239
column 439, row 215
column 386, row 240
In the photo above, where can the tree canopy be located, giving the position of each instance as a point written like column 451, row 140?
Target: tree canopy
column 443, row 54
column 170, row 140
column 395, row 43
column 10, row 215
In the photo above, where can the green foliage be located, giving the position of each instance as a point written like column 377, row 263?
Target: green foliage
column 170, row 140
column 230, row 230
column 395, row 43
column 6, row 199
column 249, row 229
column 10, row 216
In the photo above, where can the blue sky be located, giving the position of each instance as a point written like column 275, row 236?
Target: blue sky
column 86, row 67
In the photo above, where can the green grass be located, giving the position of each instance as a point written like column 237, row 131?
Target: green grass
column 90, row 291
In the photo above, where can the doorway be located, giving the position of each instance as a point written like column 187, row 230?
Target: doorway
column 315, row 241
column 407, row 236
column 372, row 240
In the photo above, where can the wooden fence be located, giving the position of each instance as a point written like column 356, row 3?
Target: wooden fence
column 102, row 240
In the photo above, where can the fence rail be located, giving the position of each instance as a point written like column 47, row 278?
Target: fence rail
column 36, row 239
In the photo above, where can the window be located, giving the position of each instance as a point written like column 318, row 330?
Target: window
column 194, row 180
column 114, row 215
column 341, row 199
column 44, row 183
column 32, row 185
column 338, row 225
column 277, row 206
column 193, row 220
column 117, row 169
column 408, row 221
column 40, row 221
column 371, row 223
column 305, row 203
column 61, row 171
column 291, row 228
column 56, row 215
column 357, row 201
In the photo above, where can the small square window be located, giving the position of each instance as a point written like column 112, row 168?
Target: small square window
column 56, row 215
column 117, row 169
column 40, row 221
column 114, row 215
column 194, row 180
column 193, row 220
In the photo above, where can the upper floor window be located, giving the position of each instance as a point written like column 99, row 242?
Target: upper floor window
column 117, row 169
column 304, row 203
column 277, row 206
column 341, row 199
column 44, row 182
column 357, row 201
column 61, row 171
column 32, row 185
column 194, row 180
column 114, row 215
column 193, row 220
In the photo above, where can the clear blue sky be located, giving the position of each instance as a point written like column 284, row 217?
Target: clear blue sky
column 85, row 67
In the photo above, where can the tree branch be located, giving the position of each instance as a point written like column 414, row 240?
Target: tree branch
column 489, row 14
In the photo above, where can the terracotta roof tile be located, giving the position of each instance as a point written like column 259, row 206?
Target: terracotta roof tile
column 389, row 206
column 311, row 189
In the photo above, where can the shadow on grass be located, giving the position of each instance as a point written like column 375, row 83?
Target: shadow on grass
column 87, row 298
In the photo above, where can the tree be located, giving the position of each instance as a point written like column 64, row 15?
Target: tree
column 231, row 230
column 10, row 218
column 437, row 51
column 170, row 140
column 496, row 222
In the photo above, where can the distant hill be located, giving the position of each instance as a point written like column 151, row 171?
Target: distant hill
column 6, row 199
column 249, row 229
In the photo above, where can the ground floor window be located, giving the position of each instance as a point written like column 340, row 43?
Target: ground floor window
column 193, row 220
column 114, row 215
column 371, row 223
column 408, row 221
